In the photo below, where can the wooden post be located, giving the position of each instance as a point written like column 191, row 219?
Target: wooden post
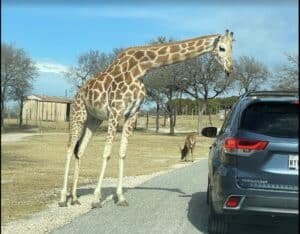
column 192, row 113
column 147, row 121
column 135, row 124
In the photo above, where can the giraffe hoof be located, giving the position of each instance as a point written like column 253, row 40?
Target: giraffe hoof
column 62, row 204
column 96, row 205
column 122, row 203
column 76, row 202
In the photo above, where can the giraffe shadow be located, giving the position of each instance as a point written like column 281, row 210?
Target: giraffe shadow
column 198, row 211
column 107, row 191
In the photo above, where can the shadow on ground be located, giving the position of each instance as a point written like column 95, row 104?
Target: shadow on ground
column 112, row 190
column 198, row 215
column 198, row 211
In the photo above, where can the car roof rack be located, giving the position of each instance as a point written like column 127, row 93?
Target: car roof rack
column 279, row 93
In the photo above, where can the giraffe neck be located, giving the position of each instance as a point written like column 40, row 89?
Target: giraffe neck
column 180, row 51
column 134, row 62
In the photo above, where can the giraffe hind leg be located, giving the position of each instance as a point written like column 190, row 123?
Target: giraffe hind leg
column 73, row 144
column 90, row 128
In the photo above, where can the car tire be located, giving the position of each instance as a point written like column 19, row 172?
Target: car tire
column 207, row 196
column 217, row 225
column 208, row 192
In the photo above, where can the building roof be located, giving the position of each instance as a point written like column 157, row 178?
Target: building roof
column 44, row 98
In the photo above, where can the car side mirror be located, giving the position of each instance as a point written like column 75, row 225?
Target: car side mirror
column 209, row 131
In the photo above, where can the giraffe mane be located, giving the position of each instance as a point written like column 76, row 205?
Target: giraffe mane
column 172, row 43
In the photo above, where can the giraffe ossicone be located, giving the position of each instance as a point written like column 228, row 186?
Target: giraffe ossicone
column 118, row 92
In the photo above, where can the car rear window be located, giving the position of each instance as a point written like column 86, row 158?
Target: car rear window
column 272, row 119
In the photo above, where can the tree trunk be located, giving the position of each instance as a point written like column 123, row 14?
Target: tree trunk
column 2, row 108
column 209, row 117
column 147, row 121
column 171, row 117
column 200, row 115
column 165, row 120
column 175, row 117
column 157, row 118
column 21, row 113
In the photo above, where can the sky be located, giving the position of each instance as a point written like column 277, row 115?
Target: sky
column 55, row 33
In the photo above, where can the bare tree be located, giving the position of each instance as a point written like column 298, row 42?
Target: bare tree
column 88, row 65
column 205, row 80
column 287, row 76
column 158, row 87
column 17, row 74
column 249, row 73
column 155, row 87
column 20, row 89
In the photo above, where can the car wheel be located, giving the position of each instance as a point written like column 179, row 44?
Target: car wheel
column 207, row 196
column 208, row 192
column 217, row 223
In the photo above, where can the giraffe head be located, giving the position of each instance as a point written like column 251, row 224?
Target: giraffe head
column 223, row 51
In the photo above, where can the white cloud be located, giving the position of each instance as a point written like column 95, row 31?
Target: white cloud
column 49, row 67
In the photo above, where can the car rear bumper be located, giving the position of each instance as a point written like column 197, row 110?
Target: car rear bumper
column 270, row 202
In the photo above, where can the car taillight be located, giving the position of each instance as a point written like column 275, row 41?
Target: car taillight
column 296, row 102
column 233, row 201
column 246, row 145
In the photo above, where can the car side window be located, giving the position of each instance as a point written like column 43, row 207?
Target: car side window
column 227, row 120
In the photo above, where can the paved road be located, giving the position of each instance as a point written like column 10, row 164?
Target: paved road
column 171, row 203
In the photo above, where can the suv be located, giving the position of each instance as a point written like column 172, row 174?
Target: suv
column 253, row 163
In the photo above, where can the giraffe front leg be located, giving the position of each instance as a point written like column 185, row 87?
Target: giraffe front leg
column 112, row 126
column 63, row 195
column 121, row 198
column 74, row 200
column 127, row 131
column 97, row 193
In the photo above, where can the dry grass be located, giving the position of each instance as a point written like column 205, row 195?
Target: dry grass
column 32, row 169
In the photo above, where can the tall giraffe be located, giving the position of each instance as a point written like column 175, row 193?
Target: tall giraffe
column 118, row 92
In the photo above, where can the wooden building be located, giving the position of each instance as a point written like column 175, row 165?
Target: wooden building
column 46, row 108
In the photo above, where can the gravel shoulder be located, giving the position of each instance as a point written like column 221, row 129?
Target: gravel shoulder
column 54, row 217
column 12, row 137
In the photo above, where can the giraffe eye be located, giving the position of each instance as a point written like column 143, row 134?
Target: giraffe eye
column 222, row 49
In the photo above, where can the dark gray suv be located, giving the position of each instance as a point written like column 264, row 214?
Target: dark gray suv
column 253, row 163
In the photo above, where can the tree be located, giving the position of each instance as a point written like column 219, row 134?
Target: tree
column 88, row 65
column 158, row 87
column 17, row 74
column 287, row 75
column 20, row 89
column 249, row 73
column 155, row 87
column 205, row 80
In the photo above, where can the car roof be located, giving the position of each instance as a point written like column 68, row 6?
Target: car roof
column 270, row 96
column 278, row 93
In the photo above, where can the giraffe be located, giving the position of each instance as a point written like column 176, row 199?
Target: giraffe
column 118, row 92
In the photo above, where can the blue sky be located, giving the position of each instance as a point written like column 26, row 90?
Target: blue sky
column 54, row 35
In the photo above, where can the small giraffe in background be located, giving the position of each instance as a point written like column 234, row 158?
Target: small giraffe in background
column 189, row 146
column 118, row 92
